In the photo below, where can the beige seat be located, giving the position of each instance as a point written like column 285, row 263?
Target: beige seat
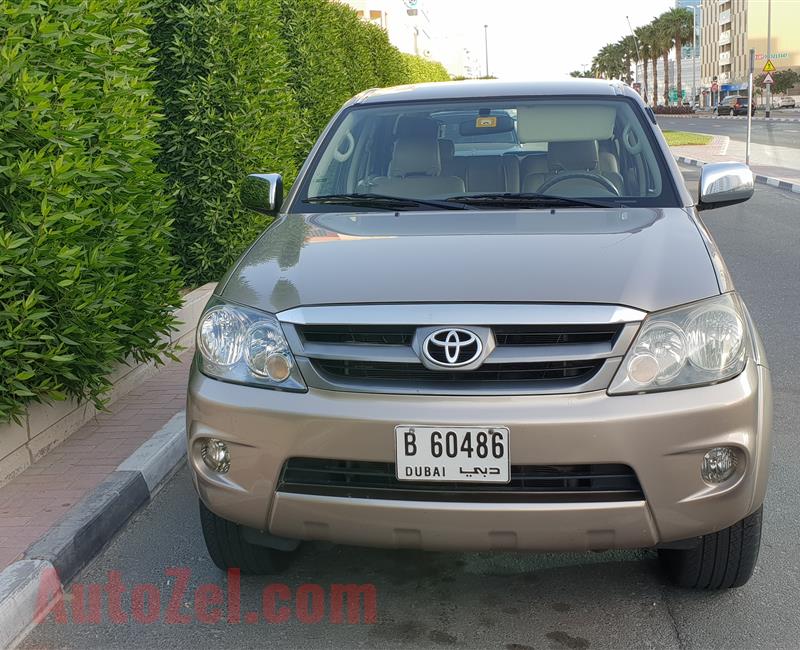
column 565, row 157
column 414, row 171
column 451, row 166
column 534, row 171
column 608, row 164
column 486, row 174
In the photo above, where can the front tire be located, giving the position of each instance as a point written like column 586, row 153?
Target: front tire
column 721, row 560
column 229, row 550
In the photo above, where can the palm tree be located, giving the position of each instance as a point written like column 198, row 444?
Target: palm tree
column 664, row 42
column 627, row 48
column 650, row 43
column 646, row 53
column 680, row 22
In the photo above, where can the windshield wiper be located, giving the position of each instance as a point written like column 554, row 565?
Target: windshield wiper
column 368, row 200
column 528, row 200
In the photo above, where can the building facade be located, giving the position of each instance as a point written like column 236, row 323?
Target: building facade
column 730, row 28
column 406, row 22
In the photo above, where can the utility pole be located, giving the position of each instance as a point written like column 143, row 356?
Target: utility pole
column 486, row 46
column 769, row 51
column 694, row 54
column 750, row 104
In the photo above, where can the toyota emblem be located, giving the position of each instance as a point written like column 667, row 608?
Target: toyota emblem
column 452, row 348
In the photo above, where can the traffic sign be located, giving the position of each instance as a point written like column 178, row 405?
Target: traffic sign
column 769, row 66
column 714, row 87
column 768, row 80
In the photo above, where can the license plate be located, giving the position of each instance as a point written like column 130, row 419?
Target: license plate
column 464, row 454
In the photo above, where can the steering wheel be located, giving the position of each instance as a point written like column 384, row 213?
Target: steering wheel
column 589, row 176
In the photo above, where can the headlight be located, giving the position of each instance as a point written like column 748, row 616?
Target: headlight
column 245, row 346
column 702, row 343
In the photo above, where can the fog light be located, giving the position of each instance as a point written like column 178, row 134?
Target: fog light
column 719, row 464
column 216, row 455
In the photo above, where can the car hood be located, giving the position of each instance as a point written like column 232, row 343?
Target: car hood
column 645, row 258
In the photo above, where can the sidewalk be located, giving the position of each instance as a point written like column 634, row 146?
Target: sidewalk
column 782, row 163
column 36, row 499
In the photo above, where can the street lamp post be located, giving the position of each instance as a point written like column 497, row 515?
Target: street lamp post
column 769, row 51
column 486, row 46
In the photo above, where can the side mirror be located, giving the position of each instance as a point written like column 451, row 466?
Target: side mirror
column 724, row 184
column 262, row 193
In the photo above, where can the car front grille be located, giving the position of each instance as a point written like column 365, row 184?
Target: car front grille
column 504, row 334
column 498, row 372
column 528, row 348
column 358, row 334
column 528, row 484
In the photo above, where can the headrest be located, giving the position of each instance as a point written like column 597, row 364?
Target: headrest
column 533, row 165
column 447, row 150
column 415, row 156
column 572, row 155
column 409, row 126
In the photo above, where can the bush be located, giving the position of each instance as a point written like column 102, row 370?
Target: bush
column 223, row 81
column 421, row 70
column 673, row 110
column 86, row 278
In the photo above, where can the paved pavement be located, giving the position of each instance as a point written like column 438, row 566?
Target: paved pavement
column 511, row 601
column 33, row 501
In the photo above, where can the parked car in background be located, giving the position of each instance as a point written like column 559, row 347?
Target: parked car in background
column 787, row 102
column 487, row 317
column 734, row 105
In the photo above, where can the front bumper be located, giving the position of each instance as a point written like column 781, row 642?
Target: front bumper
column 662, row 436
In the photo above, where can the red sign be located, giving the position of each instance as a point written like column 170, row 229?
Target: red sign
column 714, row 87
column 637, row 86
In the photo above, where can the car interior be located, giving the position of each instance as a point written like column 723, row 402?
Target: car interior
column 573, row 149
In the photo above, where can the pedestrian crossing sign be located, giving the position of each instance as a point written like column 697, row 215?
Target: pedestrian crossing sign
column 769, row 66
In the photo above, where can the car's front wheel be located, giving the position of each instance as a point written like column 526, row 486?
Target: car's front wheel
column 229, row 549
column 721, row 560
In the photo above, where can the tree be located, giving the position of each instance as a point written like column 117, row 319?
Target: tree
column 646, row 52
column 784, row 80
column 650, row 43
column 680, row 24
column 663, row 39
column 585, row 74
column 628, row 49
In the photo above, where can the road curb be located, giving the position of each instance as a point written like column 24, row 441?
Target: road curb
column 56, row 557
column 20, row 585
column 758, row 118
column 765, row 180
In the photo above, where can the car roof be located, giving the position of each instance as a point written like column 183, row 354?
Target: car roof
column 480, row 88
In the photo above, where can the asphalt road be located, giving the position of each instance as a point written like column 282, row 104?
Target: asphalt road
column 507, row 601
column 781, row 134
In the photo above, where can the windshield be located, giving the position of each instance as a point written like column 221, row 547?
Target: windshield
column 488, row 153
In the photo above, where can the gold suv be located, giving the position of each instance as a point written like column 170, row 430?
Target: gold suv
column 486, row 317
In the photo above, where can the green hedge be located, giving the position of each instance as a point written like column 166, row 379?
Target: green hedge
column 421, row 70
column 223, row 82
column 126, row 127
column 86, row 278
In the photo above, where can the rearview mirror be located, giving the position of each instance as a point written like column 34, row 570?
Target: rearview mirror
column 262, row 193
column 724, row 184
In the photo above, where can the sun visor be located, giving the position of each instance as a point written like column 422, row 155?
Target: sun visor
column 565, row 122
